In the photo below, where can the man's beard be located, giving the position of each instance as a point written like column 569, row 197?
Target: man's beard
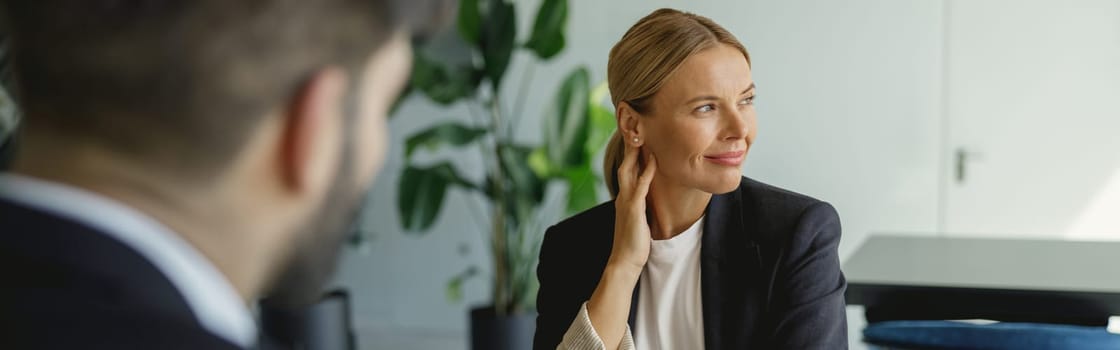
column 315, row 257
column 285, row 312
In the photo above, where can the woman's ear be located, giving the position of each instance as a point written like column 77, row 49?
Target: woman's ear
column 629, row 123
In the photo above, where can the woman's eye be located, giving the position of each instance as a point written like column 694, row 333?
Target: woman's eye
column 747, row 101
column 706, row 108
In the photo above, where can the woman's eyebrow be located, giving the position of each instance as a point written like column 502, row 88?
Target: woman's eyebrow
column 714, row 98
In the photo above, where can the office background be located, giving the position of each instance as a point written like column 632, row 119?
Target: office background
column 979, row 118
column 993, row 118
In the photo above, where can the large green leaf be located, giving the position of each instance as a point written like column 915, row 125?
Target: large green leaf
column 521, row 180
column 470, row 21
column 523, row 190
column 499, row 29
column 420, row 198
column 452, row 133
column 440, row 83
column 602, row 123
column 547, row 39
column 582, row 184
column 566, row 121
column 421, row 191
column 538, row 162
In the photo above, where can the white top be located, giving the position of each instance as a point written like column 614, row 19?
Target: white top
column 670, row 315
column 209, row 294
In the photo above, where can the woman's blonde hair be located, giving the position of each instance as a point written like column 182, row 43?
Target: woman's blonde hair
column 645, row 57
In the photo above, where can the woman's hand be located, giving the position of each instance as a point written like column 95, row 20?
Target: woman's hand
column 609, row 307
column 631, row 227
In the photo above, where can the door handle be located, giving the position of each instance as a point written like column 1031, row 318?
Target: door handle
column 963, row 157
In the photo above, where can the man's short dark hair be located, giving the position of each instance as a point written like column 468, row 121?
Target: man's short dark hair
column 181, row 82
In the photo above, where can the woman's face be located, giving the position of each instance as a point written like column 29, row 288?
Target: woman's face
column 702, row 121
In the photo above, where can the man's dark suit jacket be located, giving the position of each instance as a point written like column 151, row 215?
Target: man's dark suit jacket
column 770, row 273
column 66, row 286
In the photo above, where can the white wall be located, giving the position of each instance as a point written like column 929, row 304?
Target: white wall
column 849, row 106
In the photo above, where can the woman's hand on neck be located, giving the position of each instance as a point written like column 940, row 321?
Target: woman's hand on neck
column 674, row 208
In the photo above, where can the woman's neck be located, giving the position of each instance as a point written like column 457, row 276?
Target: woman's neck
column 674, row 208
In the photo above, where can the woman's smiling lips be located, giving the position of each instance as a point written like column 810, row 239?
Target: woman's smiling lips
column 734, row 158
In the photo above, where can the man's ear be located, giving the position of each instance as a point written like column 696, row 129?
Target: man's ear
column 629, row 123
column 310, row 142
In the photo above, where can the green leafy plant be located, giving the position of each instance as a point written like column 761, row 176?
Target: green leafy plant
column 576, row 126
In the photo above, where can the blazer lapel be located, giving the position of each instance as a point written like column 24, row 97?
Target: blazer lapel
column 730, row 263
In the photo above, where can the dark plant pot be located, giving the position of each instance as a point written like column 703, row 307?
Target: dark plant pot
column 323, row 326
column 509, row 332
column 7, row 149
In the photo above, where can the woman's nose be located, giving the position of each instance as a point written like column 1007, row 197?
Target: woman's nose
column 735, row 125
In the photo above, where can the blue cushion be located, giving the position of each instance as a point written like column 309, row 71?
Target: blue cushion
column 1004, row 335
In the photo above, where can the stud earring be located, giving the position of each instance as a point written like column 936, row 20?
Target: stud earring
column 635, row 140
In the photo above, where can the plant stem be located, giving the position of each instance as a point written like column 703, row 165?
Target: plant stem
column 520, row 102
column 476, row 213
column 499, row 217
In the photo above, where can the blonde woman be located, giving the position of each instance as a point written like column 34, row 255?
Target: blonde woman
column 689, row 254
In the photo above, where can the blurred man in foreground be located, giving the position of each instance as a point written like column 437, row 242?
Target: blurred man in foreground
column 182, row 159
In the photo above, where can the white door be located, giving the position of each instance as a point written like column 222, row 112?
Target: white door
column 1033, row 119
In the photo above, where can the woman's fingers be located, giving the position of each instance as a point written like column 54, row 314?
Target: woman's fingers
column 642, row 188
column 627, row 170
